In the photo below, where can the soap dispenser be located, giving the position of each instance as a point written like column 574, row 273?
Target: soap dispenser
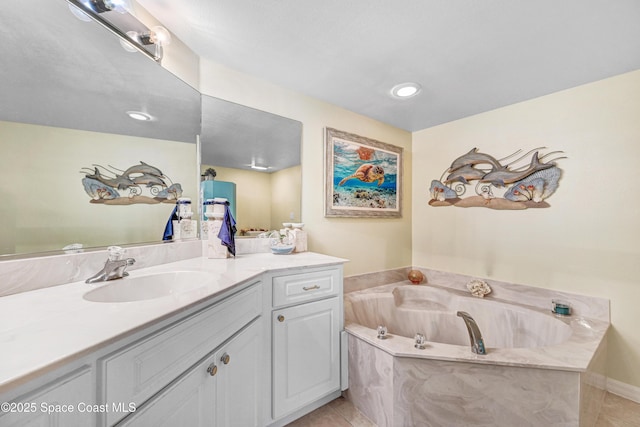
column 215, row 213
column 300, row 237
column 184, row 227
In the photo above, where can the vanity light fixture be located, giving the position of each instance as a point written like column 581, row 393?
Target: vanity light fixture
column 115, row 16
column 139, row 115
column 101, row 6
column 157, row 36
column 405, row 90
column 126, row 45
column 78, row 13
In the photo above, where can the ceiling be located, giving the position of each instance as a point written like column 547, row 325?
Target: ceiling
column 469, row 56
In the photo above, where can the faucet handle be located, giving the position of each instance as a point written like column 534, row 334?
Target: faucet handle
column 115, row 253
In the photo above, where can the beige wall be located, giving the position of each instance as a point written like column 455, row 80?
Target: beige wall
column 286, row 196
column 370, row 244
column 264, row 200
column 44, row 204
column 587, row 241
column 253, row 194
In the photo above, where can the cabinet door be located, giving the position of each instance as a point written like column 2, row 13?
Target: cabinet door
column 306, row 354
column 141, row 370
column 239, row 379
column 187, row 402
column 65, row 402
column 212, row 393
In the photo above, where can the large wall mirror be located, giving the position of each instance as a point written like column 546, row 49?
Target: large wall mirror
column 66, row 88
column 258, row 152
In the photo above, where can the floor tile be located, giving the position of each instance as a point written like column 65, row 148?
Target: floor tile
column 616, row 412
column 349, row 412
column 324, row 416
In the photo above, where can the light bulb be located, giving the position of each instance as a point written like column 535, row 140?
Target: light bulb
column 160, row 35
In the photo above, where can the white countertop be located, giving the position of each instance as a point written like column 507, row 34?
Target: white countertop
column 46, row 328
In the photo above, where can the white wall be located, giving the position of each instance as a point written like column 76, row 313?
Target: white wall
column 370, row 244
column 587, row 241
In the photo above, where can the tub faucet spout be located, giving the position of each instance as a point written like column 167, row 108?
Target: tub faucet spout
column 475, row 336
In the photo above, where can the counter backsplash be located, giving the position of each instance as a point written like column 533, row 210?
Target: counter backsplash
column 27, row 274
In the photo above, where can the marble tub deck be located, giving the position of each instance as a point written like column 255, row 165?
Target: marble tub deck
column 557, row 385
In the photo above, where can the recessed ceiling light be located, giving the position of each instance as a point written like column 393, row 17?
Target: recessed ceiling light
column 256, row 167
column 405, row 90
column 139, row 115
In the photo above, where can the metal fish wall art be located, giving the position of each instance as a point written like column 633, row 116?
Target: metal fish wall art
column 102, row 185
column 524, row 182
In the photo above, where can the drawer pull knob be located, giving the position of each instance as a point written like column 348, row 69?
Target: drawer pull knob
column 212, row 369
column 310, row 288
column 281, row 318
column 225, row 359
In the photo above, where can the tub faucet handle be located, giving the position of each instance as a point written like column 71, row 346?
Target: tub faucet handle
column 382, row 332
column 420, row 340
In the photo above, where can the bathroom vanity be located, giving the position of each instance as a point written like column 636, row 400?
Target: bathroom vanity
column 258, row 344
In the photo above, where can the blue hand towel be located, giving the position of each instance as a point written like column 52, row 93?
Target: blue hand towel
column 168, row 229
column 228, row 230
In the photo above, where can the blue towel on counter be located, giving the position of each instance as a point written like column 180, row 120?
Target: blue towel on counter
column 168, row 229
column 228, row 230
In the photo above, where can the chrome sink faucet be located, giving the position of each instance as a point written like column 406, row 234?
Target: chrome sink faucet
column 475, row 336
column 114, row 267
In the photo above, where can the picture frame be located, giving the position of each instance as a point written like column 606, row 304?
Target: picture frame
column 363, row 177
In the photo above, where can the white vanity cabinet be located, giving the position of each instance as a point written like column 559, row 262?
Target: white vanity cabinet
column 67, row 401
column 262, row 351
column 221, row 390
column 135, row 373
column 306, row 322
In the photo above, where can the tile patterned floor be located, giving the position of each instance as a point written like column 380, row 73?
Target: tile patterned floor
column 337, row 413
column 616, row 412
column 619, row 412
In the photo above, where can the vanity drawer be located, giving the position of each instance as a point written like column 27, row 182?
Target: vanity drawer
column 139, row 371
column 297, row 288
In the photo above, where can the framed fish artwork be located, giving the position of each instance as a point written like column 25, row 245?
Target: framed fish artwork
column 363, row 176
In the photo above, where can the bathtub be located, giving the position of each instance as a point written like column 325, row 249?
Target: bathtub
column 540, row 369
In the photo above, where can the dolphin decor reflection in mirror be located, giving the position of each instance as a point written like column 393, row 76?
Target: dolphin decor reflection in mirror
column 102, row 185
column 499, row 183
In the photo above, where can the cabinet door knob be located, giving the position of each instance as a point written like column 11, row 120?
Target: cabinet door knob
column 281, row 318
column 225, row 359
column 212, row 369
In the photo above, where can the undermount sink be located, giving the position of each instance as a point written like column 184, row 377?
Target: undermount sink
column 151, row 286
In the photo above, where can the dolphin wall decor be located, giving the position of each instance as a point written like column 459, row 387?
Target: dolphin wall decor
column 498, row 184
